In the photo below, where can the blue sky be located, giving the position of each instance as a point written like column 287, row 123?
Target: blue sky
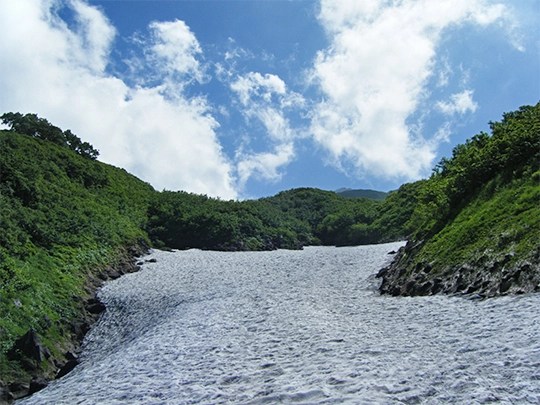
column 245, row 98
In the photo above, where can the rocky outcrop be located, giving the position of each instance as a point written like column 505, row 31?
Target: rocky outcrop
column 29, row 347
column 488, row 275
column 67, row 367
column 30, row 352
column 37, row 384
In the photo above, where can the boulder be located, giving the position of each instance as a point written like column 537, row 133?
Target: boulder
column 37, row 384
column 29, row 346
column 70, row 356
column 6, row 397
column 80, row 328
column 94, row 306
column 18, row 390
column 66, row 368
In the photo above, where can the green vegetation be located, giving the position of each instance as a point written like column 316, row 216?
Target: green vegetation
column 289, row 220
column 328, row 217
column 32, row 125
column 511, row 154
column 65, row 218
column 371, row 194
column 489, row 187
column 393, row 219
column 476, row 221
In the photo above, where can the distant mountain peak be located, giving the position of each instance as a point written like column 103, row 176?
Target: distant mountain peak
column 361, row 193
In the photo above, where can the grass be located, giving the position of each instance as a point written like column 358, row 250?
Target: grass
column 502, row 220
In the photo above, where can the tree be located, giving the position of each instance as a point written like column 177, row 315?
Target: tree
column 32, row 125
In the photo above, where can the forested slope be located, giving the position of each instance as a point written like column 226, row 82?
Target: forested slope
column 68, row 222
column 475, row 227
column 65, row 221
column 372, row 194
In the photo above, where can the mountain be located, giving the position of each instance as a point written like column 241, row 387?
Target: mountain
column 371, row 194
column 475, row 226
column 68, row 222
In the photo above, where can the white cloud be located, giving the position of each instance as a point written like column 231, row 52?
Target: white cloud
column 443, row 133
column 254, row 84
column 459, row 103
column 93, row 37
column 59, row 72
column 266, row 99
column 444, row 73
column 264, row 165
column 175, row 48
column 373, row 77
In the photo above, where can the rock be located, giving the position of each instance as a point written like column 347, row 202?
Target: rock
column 6, row 397
column 17, row 386
column 28, row 365
column 18, row 390
column 486, row 275
column 113, row 275
column 66, row 368
column 70, row 356
column 29, row 346
column 37, row 384
column 45, row 322
column 96, row 308
column 80, row 328
column 505, row 285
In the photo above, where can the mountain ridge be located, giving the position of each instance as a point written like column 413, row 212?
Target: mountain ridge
column 361, row 193
column 68, row 222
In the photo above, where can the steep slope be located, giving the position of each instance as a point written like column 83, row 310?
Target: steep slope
column 476, row 226
column 361, row 193
column 67, row 221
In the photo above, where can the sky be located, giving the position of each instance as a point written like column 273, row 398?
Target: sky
column 241, row 99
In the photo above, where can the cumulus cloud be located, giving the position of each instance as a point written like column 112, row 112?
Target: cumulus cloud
column 265, row 164
column 174, row 49
column 255, row 84
column 59, row 72
column 266, row 99
column 93, row 37
column 459, row 103
column 373, row 78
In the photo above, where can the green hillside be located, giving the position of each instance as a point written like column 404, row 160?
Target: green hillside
column 65, row 219
column 475, row 227
column 360, row 193
column 291, row 219
column 329, row 218
column 68, row 222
